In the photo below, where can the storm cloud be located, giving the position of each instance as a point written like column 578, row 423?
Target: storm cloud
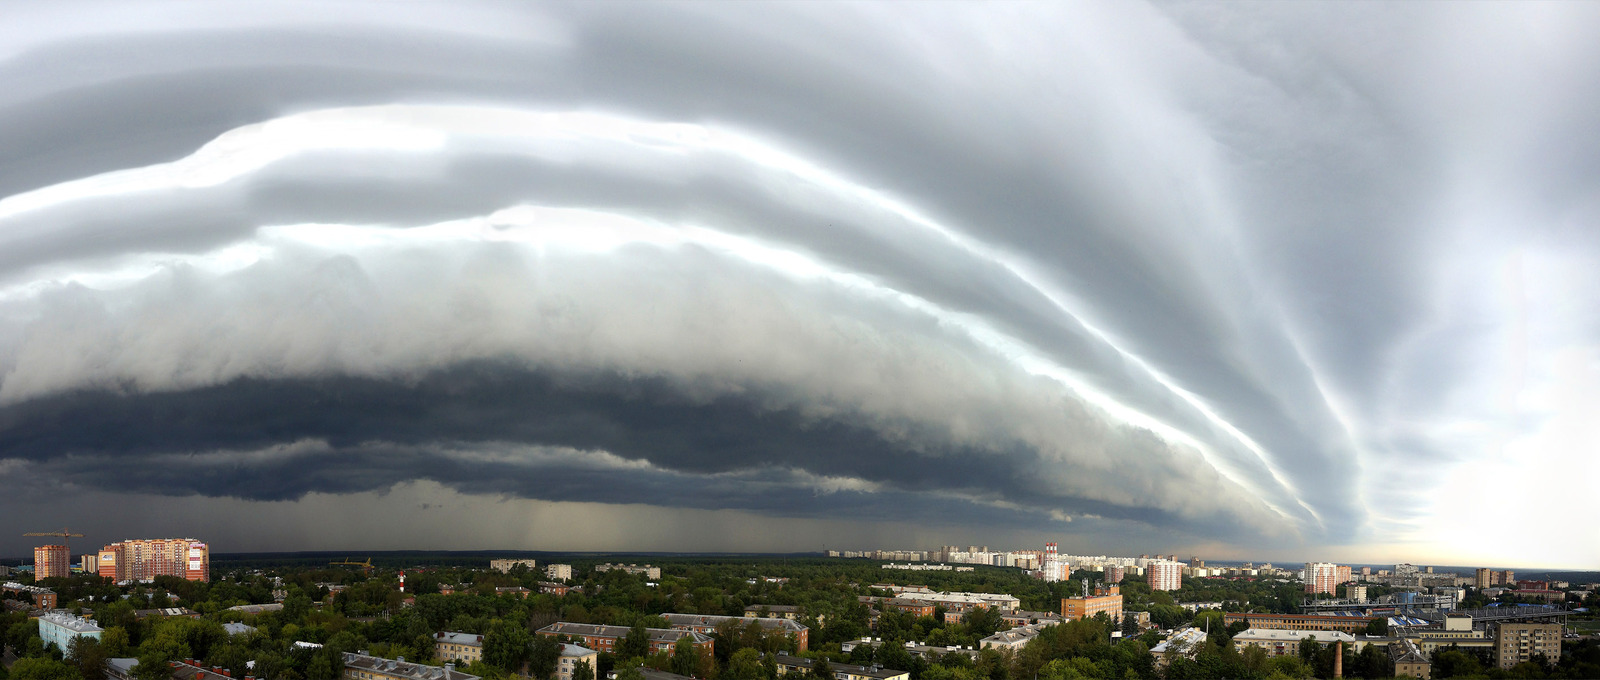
column 1241, row 277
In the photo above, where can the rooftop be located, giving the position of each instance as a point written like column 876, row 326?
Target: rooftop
column 471, row 639
column 591, row 629
column 406, row 669
column 852, row 669
column 1294, row 635
column 71, row 622
column 713, row 620
column 577, row 650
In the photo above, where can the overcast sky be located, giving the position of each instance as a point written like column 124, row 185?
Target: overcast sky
column 1252, row 281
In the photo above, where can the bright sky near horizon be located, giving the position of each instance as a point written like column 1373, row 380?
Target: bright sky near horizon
column 1241, row 280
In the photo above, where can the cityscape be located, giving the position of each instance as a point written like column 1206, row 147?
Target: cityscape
column 949, row 612
column 799, row 340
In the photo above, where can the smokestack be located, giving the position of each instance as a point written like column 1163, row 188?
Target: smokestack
column 1338, row 659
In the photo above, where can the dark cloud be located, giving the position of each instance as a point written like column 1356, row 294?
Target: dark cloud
column 1292, row 252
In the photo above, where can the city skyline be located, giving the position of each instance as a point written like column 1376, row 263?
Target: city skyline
column 1244, row 281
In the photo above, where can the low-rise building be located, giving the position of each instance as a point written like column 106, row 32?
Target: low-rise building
column 571, row 656
column 1307, row 622
column 464, row 647
column 1519, row 642
column 932, row 653
column 1013, row 638
column 517, row 591
column 706, row 624
column 505, row 566
column 59, row 628
column 364, row 667
column 257, row 608
column 605, row 638
column 167, row 613
column 236, row 628
column 1026, row 618
column 1185, row 643
column 1409, row 660
column 649, row 572
column 841, row 671
column 1107, row 600
column 1141, row 620
column 552, row 588
column 42, row 598
column 774, row 611
column 1281, row 642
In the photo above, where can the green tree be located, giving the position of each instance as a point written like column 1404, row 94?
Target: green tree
column 34, row 668
column 636, row 643
column 507, row 647
column 630, row 673
column 582, row 671
column 685, row 658
column 745, row 664
column 88, row 656
column 543, row 656
column 1378, row 626
column 820, row 669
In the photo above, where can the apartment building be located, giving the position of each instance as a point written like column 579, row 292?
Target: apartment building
column 463, row 647
column 1321, row 577
column 605, row 638
column 364, row 667
column 706, row 624
column 60, row 628
column 1164, row 575
column 51, row 561
column 649, row 572
column 571, row 656
column 1518, row 642
column 145, row 559
column 1278, row 642
column 1014, row 638
column 841, row 671
column 1304, row 622
column 504, row 566
column 43, row 598
column 559, row 572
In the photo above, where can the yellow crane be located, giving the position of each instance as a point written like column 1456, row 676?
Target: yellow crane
column 64, row 533
column 367, row 565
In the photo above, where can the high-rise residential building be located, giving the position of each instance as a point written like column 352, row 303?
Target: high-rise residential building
column 1196, row 563
column 1052, row 563
column 1321, row 577
column 51, row 561
column 1164, row 575
column 147, row 558
column 1115, row 573
column 1366, row 571
column 504, row 566
column 1344, row 574
column 1356, row 593
column 559, row 572
column 90, row 563
column 1518, row 642
column 1481, row 578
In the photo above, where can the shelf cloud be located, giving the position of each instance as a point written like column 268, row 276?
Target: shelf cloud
column 1157, row 277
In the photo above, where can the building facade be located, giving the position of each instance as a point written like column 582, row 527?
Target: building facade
column 1107, row 600
column 504, row 566
column 649, row 572
column 363, row 667
column 1321, row 577
column 1164, row 575
column 1278, row 642
column 145, row 559
column 59, row 629
column 559, row 572
column 1518, row 642
column 1114, row 573
column 463, row 647
column 571, row 656
column 1300, row 622
column 841, row 671
column 51, row 561
column 605, row 638
column 43, row 598
column 706, row 624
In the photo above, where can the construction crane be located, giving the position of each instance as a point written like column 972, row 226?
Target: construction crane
column 367, row 565
column 64, row 533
